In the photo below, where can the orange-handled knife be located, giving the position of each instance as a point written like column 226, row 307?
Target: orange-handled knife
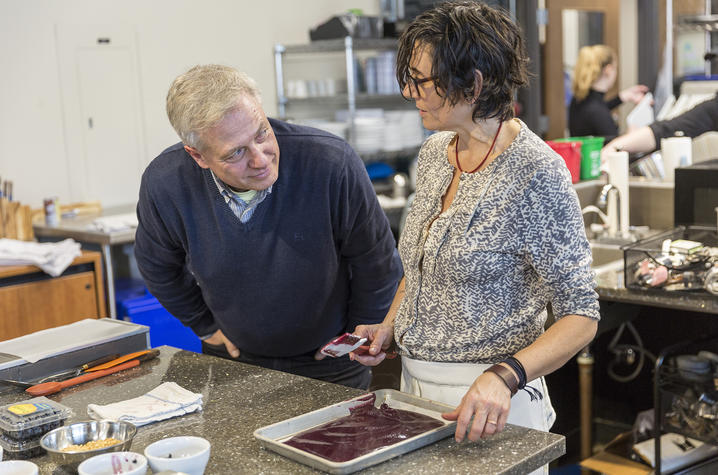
column 139, row 355
column 52, row 387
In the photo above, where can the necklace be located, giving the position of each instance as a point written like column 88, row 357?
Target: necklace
column 458, row 163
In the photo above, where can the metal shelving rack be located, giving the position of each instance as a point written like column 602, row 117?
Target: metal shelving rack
column 349, row 46
column 668, row 384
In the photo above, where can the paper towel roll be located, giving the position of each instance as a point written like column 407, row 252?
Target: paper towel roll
column 617, row 168
column 676, row 152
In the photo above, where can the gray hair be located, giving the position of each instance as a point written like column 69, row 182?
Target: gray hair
column 200, row 98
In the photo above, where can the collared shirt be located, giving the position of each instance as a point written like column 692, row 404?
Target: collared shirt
column 241, row 209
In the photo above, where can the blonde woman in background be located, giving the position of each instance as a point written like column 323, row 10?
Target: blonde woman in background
column 595, row 73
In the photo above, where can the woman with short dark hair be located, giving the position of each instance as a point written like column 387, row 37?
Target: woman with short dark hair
column 494, row 234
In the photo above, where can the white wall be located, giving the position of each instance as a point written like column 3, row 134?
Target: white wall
column 171, row 36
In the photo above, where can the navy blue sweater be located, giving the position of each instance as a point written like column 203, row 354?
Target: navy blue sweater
column 316, row 259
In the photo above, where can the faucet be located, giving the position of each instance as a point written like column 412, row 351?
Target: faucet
column 612, row 206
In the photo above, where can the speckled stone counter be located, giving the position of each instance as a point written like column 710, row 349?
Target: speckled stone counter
column 240, row 398
column 611, row 287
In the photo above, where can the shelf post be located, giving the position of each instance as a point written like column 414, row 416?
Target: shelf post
column 281, row 98
column 351, row 86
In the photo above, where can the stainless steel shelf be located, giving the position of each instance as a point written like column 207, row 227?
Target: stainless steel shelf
column 338, row 45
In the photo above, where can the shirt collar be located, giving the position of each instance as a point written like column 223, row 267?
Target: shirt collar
column 227, row 193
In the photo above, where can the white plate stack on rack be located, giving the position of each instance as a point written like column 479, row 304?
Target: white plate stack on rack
column 403, row 130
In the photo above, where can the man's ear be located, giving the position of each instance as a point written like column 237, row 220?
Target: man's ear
column 194, row 153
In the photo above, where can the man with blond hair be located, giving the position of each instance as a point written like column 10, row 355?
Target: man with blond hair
column 266, row 263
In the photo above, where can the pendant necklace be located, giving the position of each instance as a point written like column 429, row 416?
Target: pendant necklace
column 491, row 148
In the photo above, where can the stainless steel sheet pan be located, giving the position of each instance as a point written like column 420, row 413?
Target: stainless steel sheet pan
column 273, row 436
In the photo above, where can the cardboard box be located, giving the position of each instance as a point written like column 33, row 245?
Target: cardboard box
column 614, row 458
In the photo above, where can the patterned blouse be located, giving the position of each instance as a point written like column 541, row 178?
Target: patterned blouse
column 479, row 278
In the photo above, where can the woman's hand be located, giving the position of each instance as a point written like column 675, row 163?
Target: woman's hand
column 381, row 337
column 633, row 94
column 488, row 400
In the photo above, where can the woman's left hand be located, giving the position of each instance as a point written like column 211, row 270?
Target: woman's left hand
column 633, row 94
column 488, row 400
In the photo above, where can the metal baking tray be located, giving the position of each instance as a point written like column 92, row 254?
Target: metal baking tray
column 273, row 436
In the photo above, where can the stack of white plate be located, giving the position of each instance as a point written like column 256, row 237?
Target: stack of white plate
column 333, row 127
column 403, row 130
column 369, row 134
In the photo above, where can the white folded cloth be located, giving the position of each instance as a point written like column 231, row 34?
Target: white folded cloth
column 165, row 401
column 118, row 222
column 51, row 257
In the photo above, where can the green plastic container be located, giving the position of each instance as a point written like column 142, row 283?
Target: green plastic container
column 590, row 155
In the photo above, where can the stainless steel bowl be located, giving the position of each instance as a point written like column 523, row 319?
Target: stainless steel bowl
column 82, row 432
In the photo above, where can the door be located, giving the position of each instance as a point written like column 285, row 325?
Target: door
column 572, row 24
column 102, row 112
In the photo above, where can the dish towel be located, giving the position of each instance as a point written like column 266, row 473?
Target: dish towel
column 165, row 401
column 51, row 257
column 119, row 222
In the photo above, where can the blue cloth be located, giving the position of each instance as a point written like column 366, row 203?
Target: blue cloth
column 316, row 259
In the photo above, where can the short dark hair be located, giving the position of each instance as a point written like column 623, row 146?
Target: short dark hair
column 466, row 36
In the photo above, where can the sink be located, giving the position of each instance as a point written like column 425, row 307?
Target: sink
column 604, row 254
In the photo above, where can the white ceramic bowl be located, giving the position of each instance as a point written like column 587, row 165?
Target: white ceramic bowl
column 185, row 454
column 18, row 467
column 131, row 463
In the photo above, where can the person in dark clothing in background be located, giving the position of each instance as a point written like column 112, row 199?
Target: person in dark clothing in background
column 265, row 263
column 595, row 73
column 694, row 122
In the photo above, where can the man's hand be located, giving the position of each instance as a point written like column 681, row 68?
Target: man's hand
column 381, row 337
column 218, row 339
column 488, row 401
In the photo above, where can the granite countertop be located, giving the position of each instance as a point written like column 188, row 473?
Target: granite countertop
column 611, row 287
column 240, row 398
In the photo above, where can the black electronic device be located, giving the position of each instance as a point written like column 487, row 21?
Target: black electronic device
column 696, row 194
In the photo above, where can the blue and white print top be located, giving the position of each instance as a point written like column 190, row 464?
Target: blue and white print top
column 479, row 278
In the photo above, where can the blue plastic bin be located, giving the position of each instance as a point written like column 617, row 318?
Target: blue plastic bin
column 164, row 328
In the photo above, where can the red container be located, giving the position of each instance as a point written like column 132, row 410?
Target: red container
column 571, row 153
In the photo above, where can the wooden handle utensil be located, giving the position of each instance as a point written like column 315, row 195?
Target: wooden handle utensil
column 52, row 387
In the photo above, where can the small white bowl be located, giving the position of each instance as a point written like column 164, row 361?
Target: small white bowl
column 131, row 463
column 18, row 467
column 185, row 454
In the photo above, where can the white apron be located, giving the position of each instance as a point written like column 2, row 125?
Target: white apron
column 448, row 382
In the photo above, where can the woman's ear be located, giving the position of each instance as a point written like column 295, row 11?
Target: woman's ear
column 478, row 84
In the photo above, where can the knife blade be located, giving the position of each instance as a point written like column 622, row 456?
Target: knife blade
column 76, row 371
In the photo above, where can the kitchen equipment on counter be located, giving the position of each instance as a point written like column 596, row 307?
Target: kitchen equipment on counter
column 81, row 433
column 273, row 436
column 47, row 352
column 56, row 386
column 696, row 194
column 126, row 463
column 676, row 152
column 186, row 453
column 19, row 467
column 113, row 366
column 143, row 355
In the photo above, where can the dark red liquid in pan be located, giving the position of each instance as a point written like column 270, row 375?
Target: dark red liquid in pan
column 366, row 429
